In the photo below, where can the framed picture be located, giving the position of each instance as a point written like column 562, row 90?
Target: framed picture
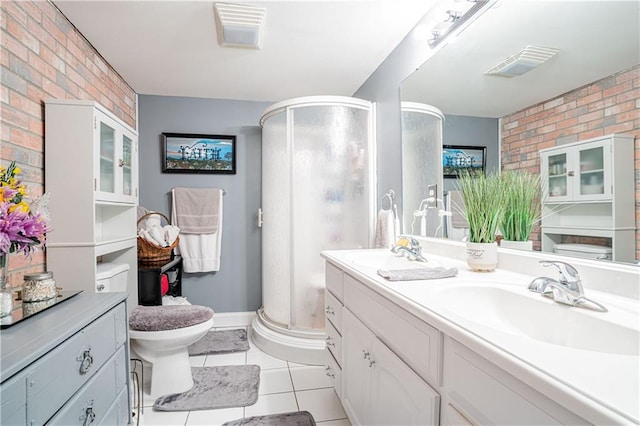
column 192, row 153
column 456, row 158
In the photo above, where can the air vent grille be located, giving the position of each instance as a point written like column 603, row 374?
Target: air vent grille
column 240, row 25
column 523, row 61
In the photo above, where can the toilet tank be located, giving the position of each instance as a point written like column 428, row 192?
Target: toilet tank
column 111, row 277
column 585, row 251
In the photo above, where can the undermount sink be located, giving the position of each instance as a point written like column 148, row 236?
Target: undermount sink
column 386, row 260
column 539, row 318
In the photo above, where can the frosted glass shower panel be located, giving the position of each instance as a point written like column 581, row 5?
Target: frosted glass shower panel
column 276, row 233
column 421, row 165
column 330, row 187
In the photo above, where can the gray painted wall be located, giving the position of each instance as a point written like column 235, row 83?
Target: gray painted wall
column 237, row 287
column 474, row 131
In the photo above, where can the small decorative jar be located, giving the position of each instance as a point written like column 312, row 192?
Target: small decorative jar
column 38, row 287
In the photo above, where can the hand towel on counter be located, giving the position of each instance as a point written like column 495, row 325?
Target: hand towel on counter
column 198, row 210
column 200, row 251
column 385, row 235
column 418, row 274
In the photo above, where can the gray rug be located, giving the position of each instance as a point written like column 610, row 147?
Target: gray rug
column 215, row 387
column 221, row 342
column 298, row 418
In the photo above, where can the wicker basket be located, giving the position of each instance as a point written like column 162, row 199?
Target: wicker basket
column 151, row 253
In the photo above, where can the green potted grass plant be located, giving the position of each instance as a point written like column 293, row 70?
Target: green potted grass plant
column 522, row 208
column 483, row 199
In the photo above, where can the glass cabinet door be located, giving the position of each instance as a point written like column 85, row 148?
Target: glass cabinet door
column 126, row 164
column 557, row 172
column 592, row 171
column 107, row 158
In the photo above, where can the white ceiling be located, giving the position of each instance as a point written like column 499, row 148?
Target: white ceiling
column 596, row 39
column 170, row 48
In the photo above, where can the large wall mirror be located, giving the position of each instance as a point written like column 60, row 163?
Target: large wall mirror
column 594, row 40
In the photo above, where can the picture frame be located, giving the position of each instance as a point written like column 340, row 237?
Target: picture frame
column 456, row 158
column 198, row 153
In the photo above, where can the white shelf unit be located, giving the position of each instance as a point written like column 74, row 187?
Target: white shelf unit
column 589, row 191
column 91, row 172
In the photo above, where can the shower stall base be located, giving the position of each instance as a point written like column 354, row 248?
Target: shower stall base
column 282, row 342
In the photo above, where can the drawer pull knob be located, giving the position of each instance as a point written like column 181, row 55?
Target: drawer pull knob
column 331, row 374
column 86, row 361
column 331, row 344
column 365, row 354
column 88, row 416
column 371, row 362
column 329, row 310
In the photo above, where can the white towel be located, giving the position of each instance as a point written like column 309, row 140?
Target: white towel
column 385, row 229
column 200, row 252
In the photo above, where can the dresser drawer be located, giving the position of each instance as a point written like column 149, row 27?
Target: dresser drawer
column 94, row 400
column 13, row 397
column 334, row 372
column 55, row 377
column 333, row 279
column 334, row 342
column 333, row 310
column 118, row 413
column 414, row 341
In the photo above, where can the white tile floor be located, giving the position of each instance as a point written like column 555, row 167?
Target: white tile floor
column 284, row 387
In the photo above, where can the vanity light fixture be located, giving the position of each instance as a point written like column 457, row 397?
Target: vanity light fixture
column 523, row 61
column 240, row 25
column 455, row 15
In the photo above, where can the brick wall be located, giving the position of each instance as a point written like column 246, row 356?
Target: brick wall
column 44, row 56
column 610, row 105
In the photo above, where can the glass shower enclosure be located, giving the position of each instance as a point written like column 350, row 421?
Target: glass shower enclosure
column 421, row 167
column 317, row 194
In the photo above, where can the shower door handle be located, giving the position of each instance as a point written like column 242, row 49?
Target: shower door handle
column 260, row 221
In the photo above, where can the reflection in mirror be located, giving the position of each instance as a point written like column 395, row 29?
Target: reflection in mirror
column 422, row 169
column 585, row 90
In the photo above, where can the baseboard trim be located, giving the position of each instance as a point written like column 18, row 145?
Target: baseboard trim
column 233, row 319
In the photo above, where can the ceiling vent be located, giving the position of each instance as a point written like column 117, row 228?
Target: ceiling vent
column 240, row 25
column 523, row 61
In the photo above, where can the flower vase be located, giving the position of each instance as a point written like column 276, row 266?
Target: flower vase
column 6, row 293
column 482, row 257
column 517, row 245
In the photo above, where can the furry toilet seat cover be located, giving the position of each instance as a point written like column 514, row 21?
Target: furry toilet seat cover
column 171, row 317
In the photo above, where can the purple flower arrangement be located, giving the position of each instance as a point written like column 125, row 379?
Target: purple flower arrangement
column 23, row 225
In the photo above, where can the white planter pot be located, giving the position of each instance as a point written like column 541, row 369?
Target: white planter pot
column 482, row 257
column 517, row 245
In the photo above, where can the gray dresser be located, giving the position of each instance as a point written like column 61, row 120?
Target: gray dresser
column 68, row 365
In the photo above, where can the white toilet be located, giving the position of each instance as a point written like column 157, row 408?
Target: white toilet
column 160, row 336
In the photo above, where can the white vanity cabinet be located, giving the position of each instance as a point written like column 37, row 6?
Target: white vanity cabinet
column 478, row 392
column 91, row 172
column 588, row 190
column 382, row 357
column 68, row 365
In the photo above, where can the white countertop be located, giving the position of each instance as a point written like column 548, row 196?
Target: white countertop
column 601, row 385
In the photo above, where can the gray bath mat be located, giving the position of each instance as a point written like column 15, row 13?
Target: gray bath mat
column 221, row 342
column 298, row 418
column 215, row 387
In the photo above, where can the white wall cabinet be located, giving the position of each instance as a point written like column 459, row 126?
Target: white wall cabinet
column 91, row 172
column 589, row 190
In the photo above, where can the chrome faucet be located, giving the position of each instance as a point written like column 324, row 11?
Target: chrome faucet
column 410, row 247
column 567, row 289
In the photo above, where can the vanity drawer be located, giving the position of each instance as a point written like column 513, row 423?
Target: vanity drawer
column 55, row 377
column 95, row 399
column 334, row 342
column 414, row 341
column 334, row 372
column 333, row 278
column 333, row 310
